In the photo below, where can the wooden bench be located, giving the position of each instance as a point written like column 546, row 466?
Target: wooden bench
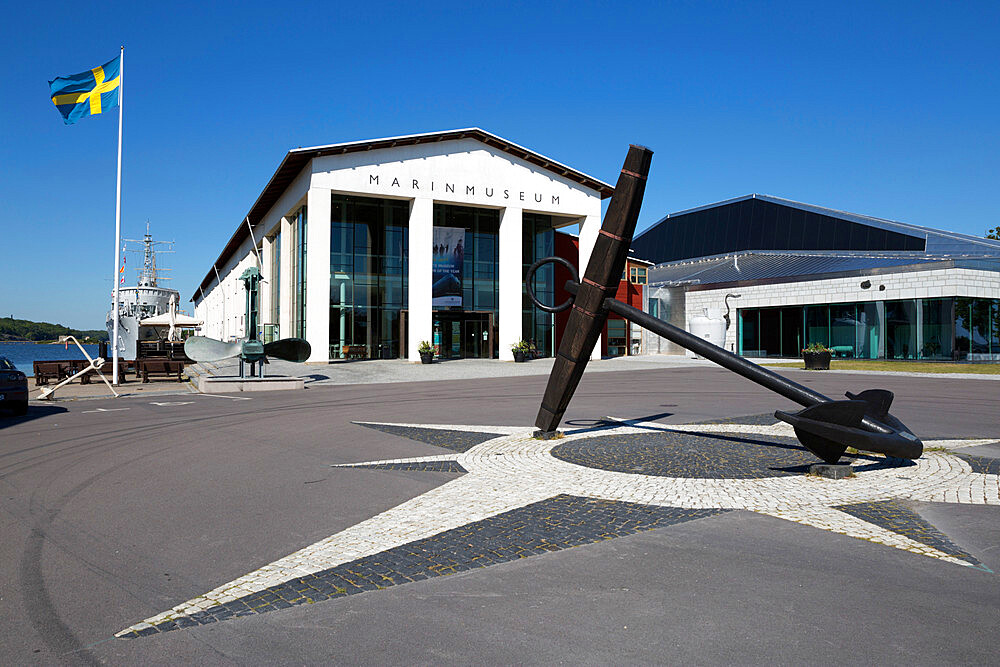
column 60, row 369
column 355, row 351
column 50, row 370
column 165, row 367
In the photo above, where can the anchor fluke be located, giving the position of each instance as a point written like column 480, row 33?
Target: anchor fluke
column 878, row 400
column 827, row 429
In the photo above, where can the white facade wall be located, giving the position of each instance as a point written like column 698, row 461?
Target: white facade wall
column 462, row 172
column 928, row 284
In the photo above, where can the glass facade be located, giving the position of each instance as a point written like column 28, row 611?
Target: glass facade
column 468, row 329
column 538, row 242
column 275, row 306
column 369, row 241
column 299, row 236
column 977, row 328
column 368, row 276
column 960, row 329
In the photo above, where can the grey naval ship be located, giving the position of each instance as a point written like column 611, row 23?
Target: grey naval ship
column 147, row 299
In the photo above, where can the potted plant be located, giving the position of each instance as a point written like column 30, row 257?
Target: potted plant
column 426, row 352
column 817, row 357
column 520, row 350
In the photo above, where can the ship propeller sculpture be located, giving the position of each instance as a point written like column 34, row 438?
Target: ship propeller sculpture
column 250, row 351
column 826, row 427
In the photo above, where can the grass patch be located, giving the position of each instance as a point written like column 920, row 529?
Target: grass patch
column 899, row 366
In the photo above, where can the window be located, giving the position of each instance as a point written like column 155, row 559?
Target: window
column 368, row 276
column 298, row 267
column 637, row 275
column 275, row 276
column 538, row 242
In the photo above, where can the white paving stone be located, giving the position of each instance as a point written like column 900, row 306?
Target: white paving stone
column 514, row 470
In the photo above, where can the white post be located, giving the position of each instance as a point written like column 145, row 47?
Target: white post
column 318, row 273
column 509, row 275
column 421, row 250
column 222, row 293
column 260, row 264
column 589, row 229
column 285, row 279
column 118, row 211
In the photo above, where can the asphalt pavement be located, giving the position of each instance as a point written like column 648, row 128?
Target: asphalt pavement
column 116, row 510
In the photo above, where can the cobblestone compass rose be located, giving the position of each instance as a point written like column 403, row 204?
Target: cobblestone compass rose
column 515, row 496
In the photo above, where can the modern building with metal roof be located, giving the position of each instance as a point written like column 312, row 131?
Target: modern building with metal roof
column 767, row 277
column 762, row 222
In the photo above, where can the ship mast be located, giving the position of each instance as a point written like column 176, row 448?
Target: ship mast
column 147, row 274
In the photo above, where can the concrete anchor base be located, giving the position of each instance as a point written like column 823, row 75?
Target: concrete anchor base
column 831, row 470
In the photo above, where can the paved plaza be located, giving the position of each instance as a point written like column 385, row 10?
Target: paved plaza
column 420, row 522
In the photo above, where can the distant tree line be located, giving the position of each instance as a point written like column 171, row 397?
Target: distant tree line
column 993, row 233
column 12, row 329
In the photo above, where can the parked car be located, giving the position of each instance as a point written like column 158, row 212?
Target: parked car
column 13, row 388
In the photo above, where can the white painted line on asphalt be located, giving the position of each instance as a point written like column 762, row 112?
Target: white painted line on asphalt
column 232, row 398
column 104, row 410
column 172, row 403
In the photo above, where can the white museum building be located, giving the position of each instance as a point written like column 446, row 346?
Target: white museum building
column 368, row 248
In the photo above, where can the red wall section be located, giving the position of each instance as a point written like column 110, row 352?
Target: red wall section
column 568, row 247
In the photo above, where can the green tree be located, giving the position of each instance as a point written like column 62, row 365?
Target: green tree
column 993, row 233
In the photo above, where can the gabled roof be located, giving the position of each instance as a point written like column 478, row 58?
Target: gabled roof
column 937, row 240
column 297, row 159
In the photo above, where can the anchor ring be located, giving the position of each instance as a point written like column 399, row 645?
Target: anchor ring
column 531, row 274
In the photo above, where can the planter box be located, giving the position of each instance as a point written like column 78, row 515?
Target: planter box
column 817, row 361
column 518, row 356
column 426, row 357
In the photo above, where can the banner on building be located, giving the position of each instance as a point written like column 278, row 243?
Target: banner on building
column 449, row 257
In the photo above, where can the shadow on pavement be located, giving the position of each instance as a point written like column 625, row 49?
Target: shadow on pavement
column 34, row 412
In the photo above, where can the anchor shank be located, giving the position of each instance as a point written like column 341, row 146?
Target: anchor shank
column 751, row 371
column 586, row 319
column 766, row 378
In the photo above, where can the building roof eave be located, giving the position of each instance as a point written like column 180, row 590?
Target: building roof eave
column 297, row 159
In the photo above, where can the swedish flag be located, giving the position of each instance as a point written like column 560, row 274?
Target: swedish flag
column 89, row 92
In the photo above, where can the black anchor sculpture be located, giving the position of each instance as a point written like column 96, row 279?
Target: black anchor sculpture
column 826, row 427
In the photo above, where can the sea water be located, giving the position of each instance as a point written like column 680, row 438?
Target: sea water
column 23, row 354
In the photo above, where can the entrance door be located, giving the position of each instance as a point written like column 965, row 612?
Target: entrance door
column 462, row 335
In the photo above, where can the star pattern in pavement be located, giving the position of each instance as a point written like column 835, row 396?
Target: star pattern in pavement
column 515, row 496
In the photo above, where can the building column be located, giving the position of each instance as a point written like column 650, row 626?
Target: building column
column 589, row 228
column 421, row 281
column 268, row 282
column 285, row 305
column 511, row 281
column 318, row 273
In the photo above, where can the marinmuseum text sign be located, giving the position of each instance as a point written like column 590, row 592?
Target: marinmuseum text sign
column 415, row 185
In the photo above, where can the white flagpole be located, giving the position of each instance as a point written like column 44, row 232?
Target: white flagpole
column 260, row 264
column 118, row 209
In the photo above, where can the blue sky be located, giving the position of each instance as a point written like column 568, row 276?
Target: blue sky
column 885, row 109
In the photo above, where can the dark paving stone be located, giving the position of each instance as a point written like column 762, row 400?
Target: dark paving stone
column 425, row 466
column 982, row 464
column 699, row 455
column 898, row 517
column 559, row 523
column 754, row 420
column 459, row 441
